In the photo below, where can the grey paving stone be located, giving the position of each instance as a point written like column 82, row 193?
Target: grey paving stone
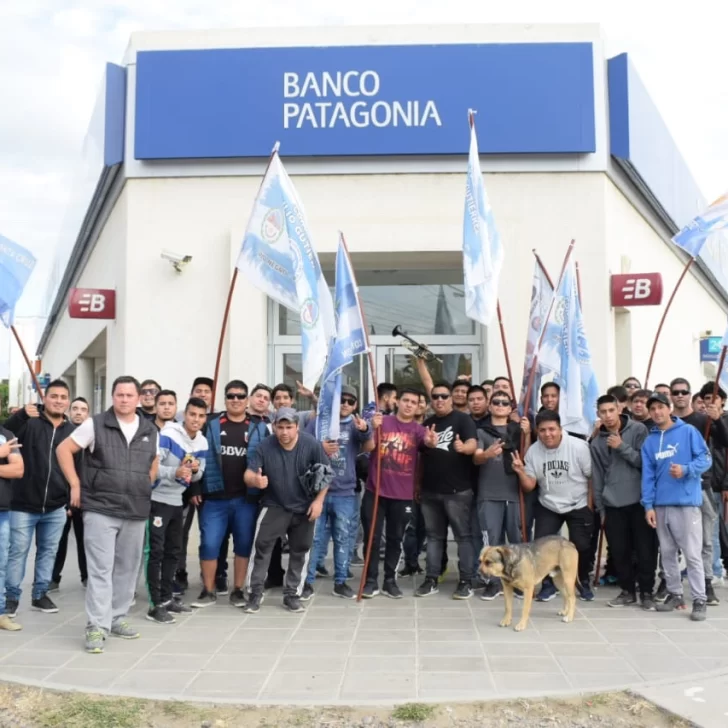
column 84, row 678
column 522, row 682
column 405, row 622
column 119, row 661
column 507, row 663
column 188, row 647
column 323, row 635
column 163, row 682
column 21, row 674
column 581, row 636
column 697, row 636
column 514, row 649
column 300, row 685
column 669, row 665
column 244, row 685
column 601, row 680
column 379, row 686
column 444, row 663
column 323, row 649
column 471, row 685
column 312, row 663
column 376, row 663
column 469, row 648
column 36, row 658
column 446, row 635
column 383, row 648
column 629, row 637
column 384, row 635
column 593, row 663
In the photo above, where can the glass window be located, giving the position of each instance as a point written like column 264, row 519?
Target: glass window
column 437, row 309
column 402, row 371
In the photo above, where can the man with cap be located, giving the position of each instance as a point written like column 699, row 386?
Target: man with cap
column 292, row 470
column 341, row 504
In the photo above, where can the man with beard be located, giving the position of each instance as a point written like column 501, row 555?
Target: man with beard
column 147, row 402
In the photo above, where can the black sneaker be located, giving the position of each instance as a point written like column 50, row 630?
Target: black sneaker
column 181, row 579
column 710, row 599
column 221, row 586
column 699, row 611
column 647, row 603
column 307, row 592
column 427, row 588
column 492, row 590
column 175, row 606
column 411, row 570
column 356, row 560
column 323, row 571
column 371, row 590
column 391, row 589
column 205, row 599
column 661, row 593
column 177, row 589
column 54, row 585
column 44, row 604
column 293, row 604
column 252, row 606
column 672, row 602
column 623, row 599
column 160, row 615
column 518, row 593
column 584, row 591
column 343, row 590
column 237, row 598
column 463, row 590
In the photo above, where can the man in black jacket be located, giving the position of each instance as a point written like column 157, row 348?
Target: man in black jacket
column 39, row 501
column 120, row 466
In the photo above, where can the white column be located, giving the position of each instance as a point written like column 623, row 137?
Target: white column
column 85, row 378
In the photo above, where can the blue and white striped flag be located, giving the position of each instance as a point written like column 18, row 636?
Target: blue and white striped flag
column 16, row 265
column 565, row 353
column 482, row 249
column 697, row 232
column 277, row 256
column 349, row 341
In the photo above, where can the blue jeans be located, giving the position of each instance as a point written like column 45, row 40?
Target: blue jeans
column 48, row 529
column 218, row 517
column 4, row 546
column 335, row 520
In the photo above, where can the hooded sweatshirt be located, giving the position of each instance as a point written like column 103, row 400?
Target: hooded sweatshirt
column 617, row 472
column 562, row 474
column 681, row 444
column 174, row 445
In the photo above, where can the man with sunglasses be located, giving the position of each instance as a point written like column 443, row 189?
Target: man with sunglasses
column 341, row 503
column 147, row 402
column 227, row 504
column 447, row 491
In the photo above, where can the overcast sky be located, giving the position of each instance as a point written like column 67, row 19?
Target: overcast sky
column 52, row 54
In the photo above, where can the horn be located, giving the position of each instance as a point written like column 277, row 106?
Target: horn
column 417, row 349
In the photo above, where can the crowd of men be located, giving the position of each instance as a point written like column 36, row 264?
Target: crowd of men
column 442, row 456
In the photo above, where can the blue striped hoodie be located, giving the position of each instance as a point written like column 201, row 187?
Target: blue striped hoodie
column 174, row 445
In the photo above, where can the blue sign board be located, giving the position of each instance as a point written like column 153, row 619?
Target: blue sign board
column 710, row 348
column 531, row 98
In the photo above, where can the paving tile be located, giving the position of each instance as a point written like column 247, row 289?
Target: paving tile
column 300, row 685
column 379, row 686
column 594, row 664
column 506, row 663
column 455, row 684
column 84, row 678
column 251, row 648
column 119, row 661
column 701, row 649
column 523, row 682
column 323, row 635
column 601, row 680
column 322, row 649
column 585, row 637
column 325, row 622
column 191, row 647
column 383, row 648
column 159, row 660
column 509, row 635
column 664, row 649
column 377, row 663
column 513, row 649
column 629, row 637
column 244, row 685
column 468, row 648
column 675, row 665
column 438, row 623
column 697, row 636
column 250, row 635
column 71, row 643
column 24, row 673
column 405, row 622
column 154, row 682
column 712, row 663
column 446, row 635
column 574, row 649
column 384, row 635
column 443, row 663
column 36, row 658
column 313, row 663
column 139, row 647
column 259, row 623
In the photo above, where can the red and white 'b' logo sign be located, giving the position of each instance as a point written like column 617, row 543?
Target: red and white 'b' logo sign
column 644, row 289
column 92, row 303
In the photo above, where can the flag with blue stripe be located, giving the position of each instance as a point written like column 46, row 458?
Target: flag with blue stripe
column 16, row 265
column 723, row 376
column 349, row 341
column 278, row 257
column 697, row 232
column 565, row 354
column 482, row 249
column 541, row 293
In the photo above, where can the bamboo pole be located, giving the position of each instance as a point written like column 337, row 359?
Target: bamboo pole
column 33, row 375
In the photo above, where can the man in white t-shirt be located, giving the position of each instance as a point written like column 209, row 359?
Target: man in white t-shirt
column 120, row 466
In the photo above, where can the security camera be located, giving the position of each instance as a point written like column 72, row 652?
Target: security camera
column 178, row 261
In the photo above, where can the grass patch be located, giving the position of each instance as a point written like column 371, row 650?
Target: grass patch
column 414, row 712
column 83, row 711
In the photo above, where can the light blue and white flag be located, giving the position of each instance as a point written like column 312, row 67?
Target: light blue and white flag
column 565, row 353
column 723, row 376
column 482, row 249
column 277, row 256
column 16, row 265
column 697, row 232
column 541, row 293
column 349, row 341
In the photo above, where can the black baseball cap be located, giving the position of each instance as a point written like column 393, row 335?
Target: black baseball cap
column 657, row 397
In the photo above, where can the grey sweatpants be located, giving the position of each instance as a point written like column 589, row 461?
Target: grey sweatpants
column 681, row 528
column 709, row 518
column 113, row 552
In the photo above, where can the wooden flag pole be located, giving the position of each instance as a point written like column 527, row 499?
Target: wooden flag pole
column 231, row 290
column 33, row 375
column 716, row 383
column 378, row 476
column 542, row 267
column 664, row 316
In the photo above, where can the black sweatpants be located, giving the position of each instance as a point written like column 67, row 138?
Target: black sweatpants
column 274, row 523
column 629, row 535
column 75, row 520
column 580, row 523
column 392, row 519
column 164, row 543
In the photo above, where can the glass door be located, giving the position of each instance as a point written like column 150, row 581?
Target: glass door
column 396, row 364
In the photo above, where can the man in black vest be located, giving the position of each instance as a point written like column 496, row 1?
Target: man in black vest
column 120, row 467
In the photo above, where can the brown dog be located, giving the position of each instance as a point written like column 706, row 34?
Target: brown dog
column 522, row 566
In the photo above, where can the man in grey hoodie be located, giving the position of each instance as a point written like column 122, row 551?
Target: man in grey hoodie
column 617, row 481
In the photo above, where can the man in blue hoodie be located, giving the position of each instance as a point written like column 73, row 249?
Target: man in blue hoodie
column 674, row 456
column 341, row 503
